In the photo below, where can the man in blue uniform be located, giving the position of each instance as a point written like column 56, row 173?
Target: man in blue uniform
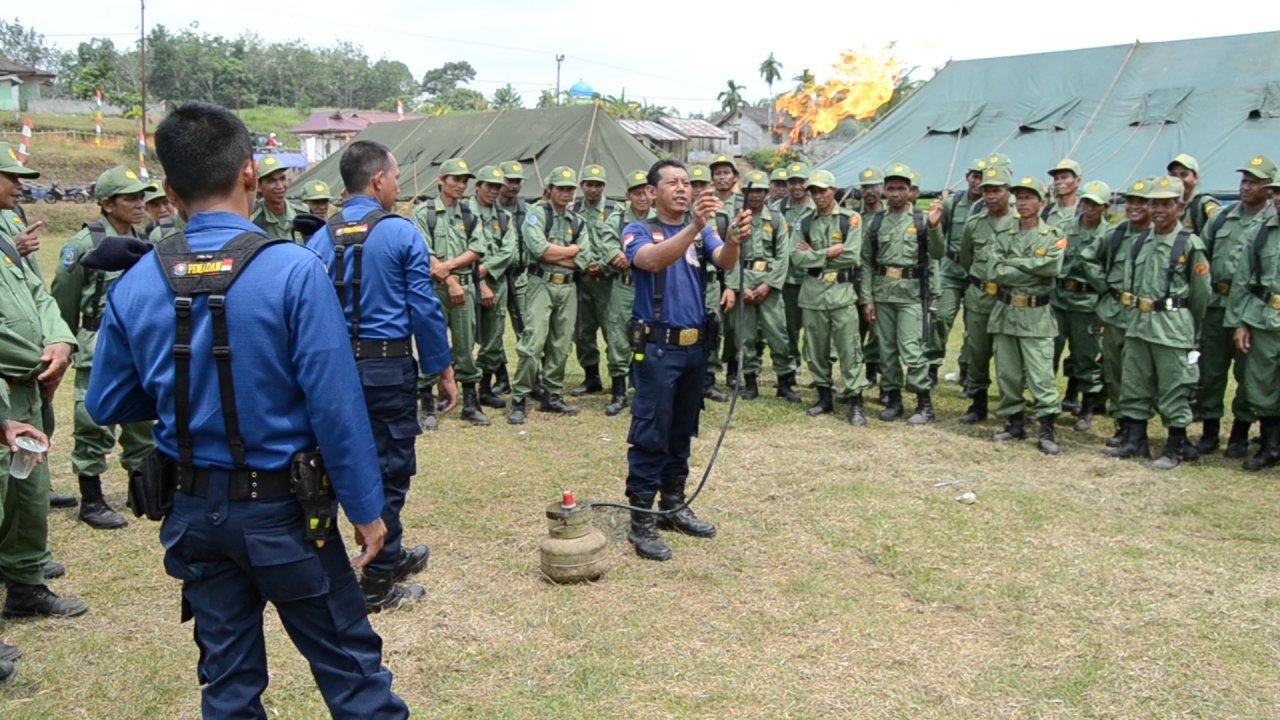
column 670, row 317
column 234, row 535
column 383, row 278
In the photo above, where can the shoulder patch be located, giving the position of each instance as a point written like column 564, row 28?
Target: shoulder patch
column 532, row 219
column 855, row 221
column 1061, row 244
column 68, row 257
column 1202, row 268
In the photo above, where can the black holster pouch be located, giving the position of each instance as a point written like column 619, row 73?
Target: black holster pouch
column 310, row 483
column 637, row 335
column 151, row 486
column 711, row 333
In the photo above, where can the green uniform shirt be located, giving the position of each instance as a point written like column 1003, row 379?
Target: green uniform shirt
column 955, row 212
column 828, row 291
column 1196, row 213
column 545, row 228
column 29, row 321
column 159, row 231
column 519, row 214
column 793, row 213
column 897, row 246
column 593, row 221
column 608, row 243
column 1258, row 271
column 1225, row 246
column 1149, row 278
column 1080, row 269
column 980, row 234
column 81, row 293
column 1025, row 261
column 499, row 236
column 11, row 224
column 450, row 237
column 276, row 226
column 1062, row 217
column 1112, row 261
column 766, row 254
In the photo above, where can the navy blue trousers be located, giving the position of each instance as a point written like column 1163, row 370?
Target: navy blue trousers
column 390, row 395
column 664, row 414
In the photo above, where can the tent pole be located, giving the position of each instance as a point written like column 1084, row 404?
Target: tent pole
column 1105, row 96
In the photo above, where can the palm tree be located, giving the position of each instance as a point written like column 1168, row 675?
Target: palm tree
column 806, row 80
column 506, row 98
column 731, row 99
column 770, row 70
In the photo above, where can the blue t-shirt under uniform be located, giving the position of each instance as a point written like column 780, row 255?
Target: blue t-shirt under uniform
column 682, row 300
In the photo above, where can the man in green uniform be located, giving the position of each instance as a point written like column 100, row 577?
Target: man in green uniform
column 274, row 214
column 724, row 178
column 500, row 238
column 900, row 247
column 10, row 431
column 593, row 287
column 609, row 248
column 1023, row 265
column 952, row 279
column 777, row 186
column 35, row 351
column 81, row 295
column 513, row 205
column 1169, row 280
column 457, row 243
column 871, row 182
column 981, row 233
column 1196, row 207
column 828, row 251
column 1075, row 302
column 551, row 241
column 765, row 257
column 1062, row 212
column 318, row 198
column 715, row 295
column 1253, row 312
column 793, row 207
column 1227, row 236
column 724, row 181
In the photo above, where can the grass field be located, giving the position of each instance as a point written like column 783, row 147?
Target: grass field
column 844, row 584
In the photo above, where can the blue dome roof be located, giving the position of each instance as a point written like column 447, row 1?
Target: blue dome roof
column 581, row 89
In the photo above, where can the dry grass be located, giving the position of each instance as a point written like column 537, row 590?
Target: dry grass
column 843, row 584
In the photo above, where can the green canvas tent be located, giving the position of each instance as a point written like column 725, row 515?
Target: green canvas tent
column 573, row 136
column 1122, row 112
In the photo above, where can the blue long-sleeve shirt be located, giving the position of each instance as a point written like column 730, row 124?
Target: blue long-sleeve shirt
column 296, row 385
column 396, row 297
column 683, row 305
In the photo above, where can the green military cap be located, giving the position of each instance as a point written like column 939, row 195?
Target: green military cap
column 1066, row 165
column 699, row 173
column 1032, row 184
column 268, row 165
column 871, row 176
column 724, row 160
column 491, row 174
column 456, row 167
column 997, row 176
column 1275, row 181
column 978, row 166
column 915, row 179
column 755, row 180
column 779, row 175
column 1185, row 161
column 9, row 164
column 1165, row 188
column 821, row 179
column 563, row 177
column 797, row 170
column 593, row 173
column 1097, row 191
column 1260, row 166
column 119, row 180
column 511, row 170
column 998, row 160
column 637, row 178
column 317, row 191
column 1139, row 188
column 155, row 193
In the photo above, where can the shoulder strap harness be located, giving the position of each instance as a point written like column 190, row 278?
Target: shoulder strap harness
column 352, row 234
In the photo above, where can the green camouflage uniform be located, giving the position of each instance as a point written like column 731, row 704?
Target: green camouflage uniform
column 448, row 241
column 765, row 255
column 500, row 242
column 1075, row 304
column 1254, row 303
column 981, row 234
column 593, row 292
column 608, row 245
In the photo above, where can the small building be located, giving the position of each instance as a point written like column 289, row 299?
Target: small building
column 656, row 136
column 20, row 83
column 749, row 129
column 705, row 140
column 581, row 93
column 326, row 131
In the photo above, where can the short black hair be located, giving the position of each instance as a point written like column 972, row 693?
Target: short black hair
column 202, row 148
column 654, row 177
column 361, row 161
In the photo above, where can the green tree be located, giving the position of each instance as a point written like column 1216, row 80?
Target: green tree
column 447, row 77
column 805, row 80
column 731, row 99
column 770, row 72
column 506, row 98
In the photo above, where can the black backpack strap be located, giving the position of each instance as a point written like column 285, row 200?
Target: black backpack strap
column 1117, row 237
column 922, row 238
column 207, row 273
column 873, row 235
column 259, row 216
column 1177, row 258
column 91, row 319
column 352, row 234
column 1259, row 241
column 1215, row 227
column 1048, row 208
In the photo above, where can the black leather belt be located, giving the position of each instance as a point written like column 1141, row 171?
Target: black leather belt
column 988, row 288
column 368, row 349
column 760, row 265
column 1154, row 305
column 1022, row 301
column 953, row 256
column 831, row 276
column 676, row 337
column 241, row 484
column 555, row 278
column 1272, row 300
column 1073, row 286
column 897, row 272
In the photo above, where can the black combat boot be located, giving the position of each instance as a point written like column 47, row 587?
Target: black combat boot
column 857, row 411
column 1269, row 454
column 1070, row 400
column 1047, row 443
column 872, row 370
column 9, row 652
column 488, row 397
column 683, row 520
column 1088, row 406
column 617, row 396
column 1238, row 440
column 538, row 392
column 58, row 500
column 1014, row 429
column 94, row 510
column 924, row 410
column 516, row 416
column 1174, row 450
column 644, row 529
column 824, row 405
column 892, row 406
column 25, row 600
column 411, row 562
column 382, row 592
column 709, row 390
column 731, row 372
column 977, row 411
column 471, row 411
column 1117, row 437
column 1208, row 443
column 554, row 404
column 590, row 384
column 1134, row 443
column 786, row 387
column 933, row 376
column 501, row 381
column 427, row 409
column 7, row 670
column 751, row 388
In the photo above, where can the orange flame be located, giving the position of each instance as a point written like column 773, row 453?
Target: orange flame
column 862, row 84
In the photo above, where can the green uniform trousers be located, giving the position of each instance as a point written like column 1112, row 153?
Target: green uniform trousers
column 767, row 321
column 949, row 302
column 1261, row 386
column 492, row 353
column 1076, row 331
column 462, row 335
column 1025, row 363
column 1113, row 337
column 1157, row 378
column 1218, row 356
column 549, row 324
column 870, row 346
column 24, row 529
column 712, row 297
column 794, row 316
column 978, row 343
column 899, row 328
column 834, row 331
column 615, row 328
column 593, row 314
column 92, row 442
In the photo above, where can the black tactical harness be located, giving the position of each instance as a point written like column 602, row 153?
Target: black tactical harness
column 352, row 234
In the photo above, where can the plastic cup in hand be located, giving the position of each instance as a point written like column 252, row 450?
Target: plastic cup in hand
column 24, row 461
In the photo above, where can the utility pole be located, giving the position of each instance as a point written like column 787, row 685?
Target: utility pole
column 142, row 54
column 559, row 59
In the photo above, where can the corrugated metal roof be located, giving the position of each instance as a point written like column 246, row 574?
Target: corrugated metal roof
column 694, row 128
column 651, row 130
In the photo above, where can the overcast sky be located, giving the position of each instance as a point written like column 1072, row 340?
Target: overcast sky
column 676, row 54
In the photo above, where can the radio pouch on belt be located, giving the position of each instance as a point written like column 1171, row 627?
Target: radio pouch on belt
column 310, row 483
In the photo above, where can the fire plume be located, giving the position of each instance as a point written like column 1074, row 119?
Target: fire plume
column 863, row 82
